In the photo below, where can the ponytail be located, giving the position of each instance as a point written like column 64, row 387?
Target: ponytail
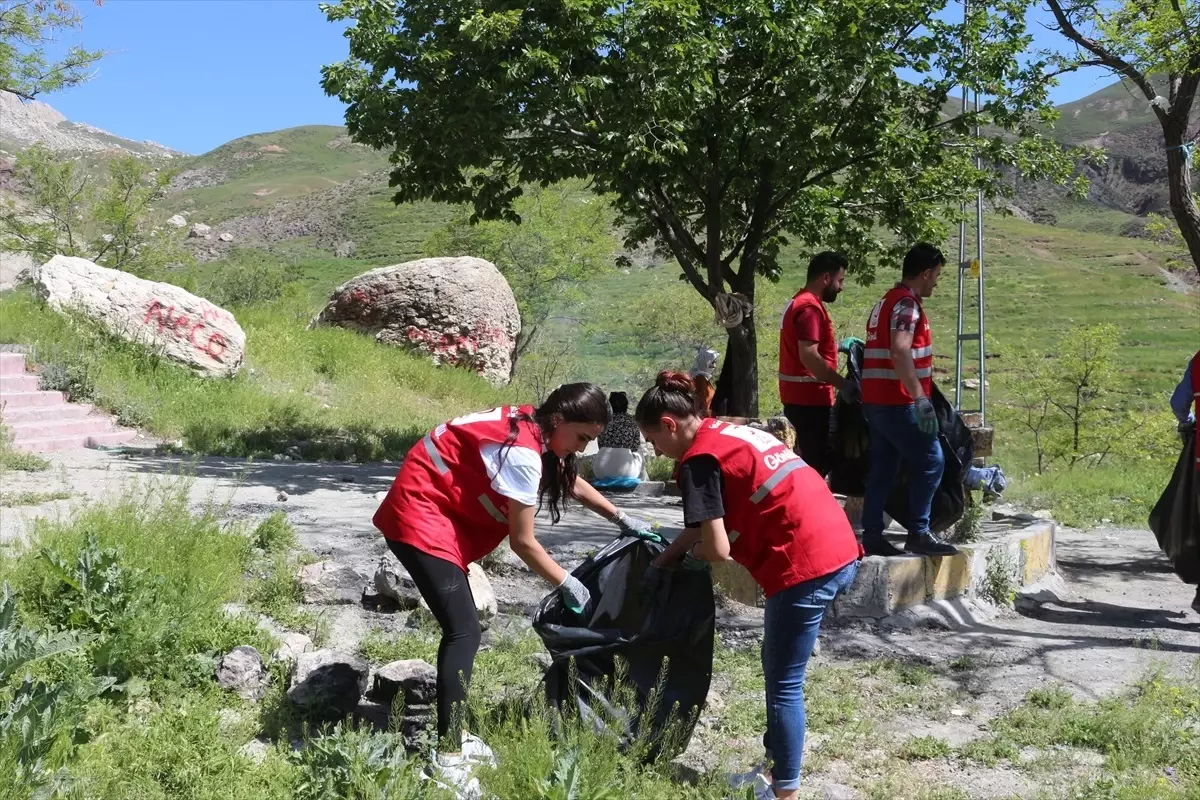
column 673, row 393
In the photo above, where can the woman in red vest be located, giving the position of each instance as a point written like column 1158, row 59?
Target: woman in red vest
column 464, row 487
column 748, row 497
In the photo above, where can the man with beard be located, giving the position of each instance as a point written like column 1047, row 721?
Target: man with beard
column 808, row 358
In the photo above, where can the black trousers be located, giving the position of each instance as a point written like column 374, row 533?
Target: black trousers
column 812, row 435
column 445, row 588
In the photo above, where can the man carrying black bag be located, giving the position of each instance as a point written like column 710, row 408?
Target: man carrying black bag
column 1175, row 519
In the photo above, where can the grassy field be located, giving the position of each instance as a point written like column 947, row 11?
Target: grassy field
column 257, row 171
column 111, row 624
column 328, row 392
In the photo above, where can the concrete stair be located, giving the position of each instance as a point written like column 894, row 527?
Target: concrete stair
column 44, row 421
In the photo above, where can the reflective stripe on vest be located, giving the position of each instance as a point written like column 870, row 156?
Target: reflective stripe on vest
column 892, row 375
column 733, row 536
column 438, row 462
column 800, row 378
column 877, row 352
column 775, row 478
column 490, row 507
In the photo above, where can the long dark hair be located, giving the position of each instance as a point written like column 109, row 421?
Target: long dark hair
column 673, row 393
column 572, row 402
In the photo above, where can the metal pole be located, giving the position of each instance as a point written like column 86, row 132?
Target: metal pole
column 979, row 257
column 962, row 258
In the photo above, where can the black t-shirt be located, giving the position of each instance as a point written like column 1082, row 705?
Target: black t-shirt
column 702, row 485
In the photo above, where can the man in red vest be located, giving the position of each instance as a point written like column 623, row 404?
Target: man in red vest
column 897, row 382
column 808, row 357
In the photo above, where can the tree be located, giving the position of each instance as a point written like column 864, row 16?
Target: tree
column 718, row 128
column 67, row 209
column 1154, row 47
column 1069, row 401
column 564, row 238
column 27, row 28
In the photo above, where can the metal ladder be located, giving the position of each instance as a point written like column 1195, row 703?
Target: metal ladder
column 970, row 271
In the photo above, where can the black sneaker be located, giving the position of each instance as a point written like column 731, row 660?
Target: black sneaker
column 879, row 546
column 928, row 545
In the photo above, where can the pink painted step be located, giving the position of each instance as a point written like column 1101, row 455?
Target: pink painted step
column 12, row 364
column 28, row 399
column 15, row 416
column 57, row 428
column 19, row 383
column 52, row 443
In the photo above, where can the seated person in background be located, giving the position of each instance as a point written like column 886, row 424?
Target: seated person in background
column 701, row 373
column 619, row 460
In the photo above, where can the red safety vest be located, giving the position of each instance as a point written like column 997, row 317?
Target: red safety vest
column 881, row 384
column 784, row 525
column 1195, row 370
column 797, row 385
column 442, row 501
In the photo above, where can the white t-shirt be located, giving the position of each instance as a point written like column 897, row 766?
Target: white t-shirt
column 520, row 474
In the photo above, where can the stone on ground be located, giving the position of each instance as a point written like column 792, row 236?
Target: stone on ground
column 481, row 590
column 458, row 311
column 199, row 231
column 169, row 321
column 394, row 583
column 413, row 679
column 328, row 681
column 291, row 646
column 329, row 583
column 242, row 671
column 177, row 221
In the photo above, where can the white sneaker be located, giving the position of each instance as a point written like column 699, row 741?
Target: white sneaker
column 763, row 789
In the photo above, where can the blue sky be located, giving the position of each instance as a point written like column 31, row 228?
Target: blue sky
column 194, row 74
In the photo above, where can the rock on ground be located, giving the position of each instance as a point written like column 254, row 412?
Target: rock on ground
column 394, row 583
column 458, row 311
column 177, row 221
column 328, row 681
column 199, row 231
column 481, row 590
column 329, row 583
column 242, row 671
column 413, row 679
column 169, row 321
column 291, row 646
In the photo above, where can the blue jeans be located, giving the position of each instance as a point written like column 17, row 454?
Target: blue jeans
column 793, row 620
column 895, row 437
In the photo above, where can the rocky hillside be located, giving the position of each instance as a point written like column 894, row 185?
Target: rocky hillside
column 26, row 123
column 1133, row 177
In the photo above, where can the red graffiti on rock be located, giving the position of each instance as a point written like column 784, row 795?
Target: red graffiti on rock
column 181, row 326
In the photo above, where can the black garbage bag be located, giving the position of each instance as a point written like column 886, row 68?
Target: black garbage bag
column 651, row 628
column 950, row 499
column 1175, row 518
column 851, row 456
column 850, row 461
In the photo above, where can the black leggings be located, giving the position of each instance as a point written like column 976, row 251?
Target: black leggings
column 444, row 586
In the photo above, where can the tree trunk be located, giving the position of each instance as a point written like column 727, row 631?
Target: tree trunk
column 1179, row 179
column 737, row 389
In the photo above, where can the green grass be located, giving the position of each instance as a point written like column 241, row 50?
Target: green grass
column 18, row 459
column 309, row 165
column 330, row 392
column 10, row 499
column 1149, row 736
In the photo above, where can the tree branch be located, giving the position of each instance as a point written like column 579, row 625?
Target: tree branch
column 1107, row 58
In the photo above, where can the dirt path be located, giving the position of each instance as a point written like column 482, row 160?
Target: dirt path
column 1119, row 612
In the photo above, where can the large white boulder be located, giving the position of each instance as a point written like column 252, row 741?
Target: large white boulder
column 170, row 321
column 459, row 311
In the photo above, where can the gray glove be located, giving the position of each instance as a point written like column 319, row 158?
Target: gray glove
column 575, row 595
column 926, row 416
column 632, row 526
